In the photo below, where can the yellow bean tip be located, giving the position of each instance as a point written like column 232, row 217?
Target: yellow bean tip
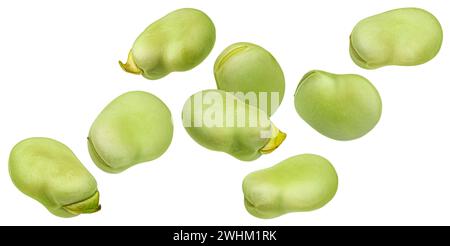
column 275, row 141
column 130, row 66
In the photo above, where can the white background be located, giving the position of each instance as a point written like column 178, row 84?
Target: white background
column 59, row 68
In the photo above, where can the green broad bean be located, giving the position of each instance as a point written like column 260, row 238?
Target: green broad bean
column 219, row 121
column 178, row 41
column 135, row 127
column 404, row 37
column 341, row 107
column 49, row 172
column 300, row 183
column 247, row 67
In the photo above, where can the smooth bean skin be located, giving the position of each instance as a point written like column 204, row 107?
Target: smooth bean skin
column 135, row 127
column 339, row 106
column 247, row 67
column 403, row 37
column 300, row 183
column 243, row 141
column 179, row 41
column 49, row 172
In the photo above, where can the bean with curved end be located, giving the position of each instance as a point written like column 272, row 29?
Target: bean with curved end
column 49, row 172
column 301, row 183
column 219, row 121
column 341, row 107
column 178, row 41
column 404, row 37
column 247, row 67
column 135, row 127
